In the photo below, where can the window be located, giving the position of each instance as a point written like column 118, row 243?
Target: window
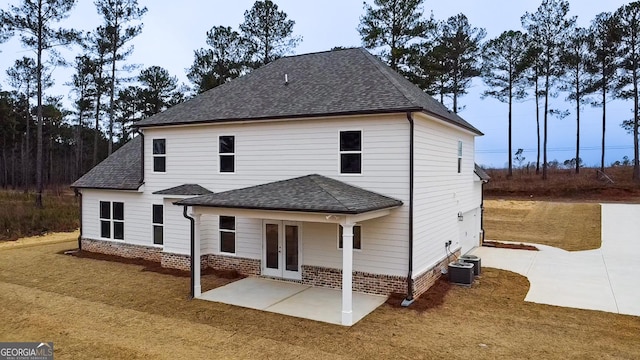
column 227, row 151
column 357, row 237
column 350, row 152
column 459, row 157
column 159, row 155
column 112, row 220
column 105, row 219
column 228, row 234
column 157, row 221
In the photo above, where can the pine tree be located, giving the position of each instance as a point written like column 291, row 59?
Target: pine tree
column 267, row 33
column 117, row 15
column 34, row 20
column 549, row 27
column 463, row 45
column 22, row 77
column 628, row 17
column 393, row 25
column 605, row 37
column 223, row 61
column 503, row 65
column 578, row 61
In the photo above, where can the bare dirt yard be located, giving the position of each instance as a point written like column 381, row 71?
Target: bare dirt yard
column 101, row 309
column 568, row 225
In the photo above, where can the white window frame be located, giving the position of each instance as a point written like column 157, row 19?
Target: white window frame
column 459, row 158
column 220, row 154
column 154, row 224
column 339, row 238
column 111, row 219
column 153, row 161
column 361, row 152
column 233, row 231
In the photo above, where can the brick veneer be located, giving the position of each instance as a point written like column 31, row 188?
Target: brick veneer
column 244, row 266
column 362, row 281
column 311, row 275
column 181, row 262
column 426, row 279
column 122, row 249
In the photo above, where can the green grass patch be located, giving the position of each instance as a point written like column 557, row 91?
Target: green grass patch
column 19, row 216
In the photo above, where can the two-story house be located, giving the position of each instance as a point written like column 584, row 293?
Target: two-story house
column 328, row 169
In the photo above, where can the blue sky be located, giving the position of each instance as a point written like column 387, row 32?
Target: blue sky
column 173, row 29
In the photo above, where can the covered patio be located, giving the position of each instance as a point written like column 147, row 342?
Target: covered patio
column 293, row 299
column 311, row 198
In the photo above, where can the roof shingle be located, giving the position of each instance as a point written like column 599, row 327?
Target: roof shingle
column 481, row 173
column 120, row 171
column 311, row 193
column 184, row 190
column 340, row 82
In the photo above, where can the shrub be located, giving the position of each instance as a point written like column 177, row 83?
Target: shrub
column 20, row 218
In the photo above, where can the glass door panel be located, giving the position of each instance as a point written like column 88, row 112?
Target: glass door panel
column 272, row 245
column 291, row 247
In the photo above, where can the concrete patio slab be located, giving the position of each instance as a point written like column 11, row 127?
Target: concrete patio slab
column 319, row 304
column 604, row 279
column 253, row 293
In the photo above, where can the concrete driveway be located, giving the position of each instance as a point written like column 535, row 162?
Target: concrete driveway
column 606, row 279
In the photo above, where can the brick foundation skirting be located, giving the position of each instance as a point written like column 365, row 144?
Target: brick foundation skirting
column 245, row 266
column 311, row 275
column 362, row 281
column 426, row 279
column 122, row 249
column 181, row 262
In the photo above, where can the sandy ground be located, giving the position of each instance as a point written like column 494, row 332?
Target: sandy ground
column 570, row 226
column 95, row 309
column 50, row 238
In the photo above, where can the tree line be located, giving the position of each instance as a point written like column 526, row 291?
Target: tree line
column 549, row 56
column 106, row 98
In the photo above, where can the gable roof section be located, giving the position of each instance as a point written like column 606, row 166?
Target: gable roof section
column 311, row 193
column 184, row 190
column 331, row 83
column 120, row 171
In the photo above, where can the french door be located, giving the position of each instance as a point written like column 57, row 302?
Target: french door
column 281, row 249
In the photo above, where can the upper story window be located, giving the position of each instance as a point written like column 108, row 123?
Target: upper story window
column 351, row 152
column 459, row 157
column 157, row 219
column 112, row 220
column 357, row 237
column 227, row 153
column 159, row 155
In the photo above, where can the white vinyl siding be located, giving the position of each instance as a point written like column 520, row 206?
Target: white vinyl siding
column 271, row 151
column 440, row 192
column 136, row 215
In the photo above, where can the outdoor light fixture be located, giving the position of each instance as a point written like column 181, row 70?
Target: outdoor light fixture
column 460, row 217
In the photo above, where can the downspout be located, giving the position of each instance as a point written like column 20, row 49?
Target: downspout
column 409, row 299
column 79, row 196
column 482, row 211
column 193, row 225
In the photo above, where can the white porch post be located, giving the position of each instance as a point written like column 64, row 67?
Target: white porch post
column 197, row 288
column 347, row 274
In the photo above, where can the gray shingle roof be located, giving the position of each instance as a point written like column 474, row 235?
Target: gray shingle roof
column 311, row 193
column 481, row 173
column 120, row 171
column 341, row 82
column 184, row 190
